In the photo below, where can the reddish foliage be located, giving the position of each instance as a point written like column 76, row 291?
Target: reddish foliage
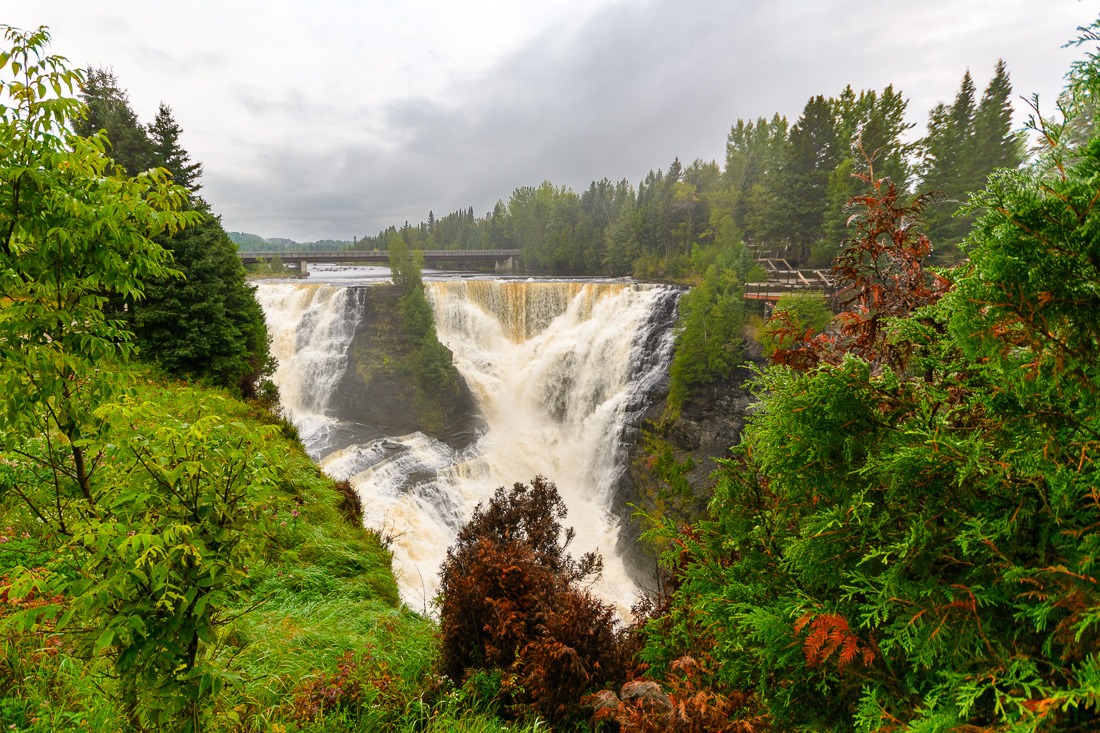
column 28, row 602
column 340, row 689
column 881, row 275
column 686, row 705
column 830, row 634
column 351, row 505
column 32, row 648
column 511, row 600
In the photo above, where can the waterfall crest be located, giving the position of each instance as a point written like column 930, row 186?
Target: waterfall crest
column 560, row 371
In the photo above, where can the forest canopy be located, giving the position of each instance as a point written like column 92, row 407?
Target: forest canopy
column 907, row 534
column 784, row 184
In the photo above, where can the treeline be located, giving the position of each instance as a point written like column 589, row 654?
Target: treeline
column 255, row 243
column 203, row 322
column 783, row 184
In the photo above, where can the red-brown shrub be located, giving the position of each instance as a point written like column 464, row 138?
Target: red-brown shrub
column 510, row 599
column 683, row 704
column 327, row 692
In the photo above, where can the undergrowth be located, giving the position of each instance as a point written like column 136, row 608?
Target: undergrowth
column 319, row 643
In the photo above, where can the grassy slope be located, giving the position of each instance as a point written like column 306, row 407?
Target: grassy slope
column 326, row 626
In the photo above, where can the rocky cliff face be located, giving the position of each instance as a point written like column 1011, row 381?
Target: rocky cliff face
column 709, row 423
column 379, row 390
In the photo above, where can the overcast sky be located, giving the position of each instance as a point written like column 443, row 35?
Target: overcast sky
column 337, row 118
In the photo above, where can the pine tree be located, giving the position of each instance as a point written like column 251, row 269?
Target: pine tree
column 812, row 155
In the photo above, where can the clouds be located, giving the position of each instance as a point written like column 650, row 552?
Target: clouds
column 343, row 118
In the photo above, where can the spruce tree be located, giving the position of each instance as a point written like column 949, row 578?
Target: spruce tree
column 948, row 167
column 812, row 154
column 164, row 133
column 108, row 108
column 208, row 325
column 965, row 143
column 995, row 145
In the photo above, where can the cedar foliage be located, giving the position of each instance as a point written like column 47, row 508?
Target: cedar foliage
column 881, row 274
column 907, row 536
column 511, row 600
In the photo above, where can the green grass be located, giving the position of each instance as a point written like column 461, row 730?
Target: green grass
column 322, row 603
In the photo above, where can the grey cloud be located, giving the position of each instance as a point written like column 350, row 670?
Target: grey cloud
column 627, row 92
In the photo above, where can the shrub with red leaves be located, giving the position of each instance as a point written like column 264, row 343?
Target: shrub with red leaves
column 882, row 275
column 22, row 650
column 327, row 692
column 511, row 600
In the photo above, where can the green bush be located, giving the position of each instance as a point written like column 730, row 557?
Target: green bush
column 907, row 535
column 807, row 314
column 709, row 334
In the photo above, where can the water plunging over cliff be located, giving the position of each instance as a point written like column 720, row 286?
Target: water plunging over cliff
column 559, row 370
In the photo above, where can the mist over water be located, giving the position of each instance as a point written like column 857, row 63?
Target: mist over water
column 560, row 371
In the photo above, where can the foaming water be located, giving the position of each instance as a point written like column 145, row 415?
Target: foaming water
column 310, row 328
column 560, row 370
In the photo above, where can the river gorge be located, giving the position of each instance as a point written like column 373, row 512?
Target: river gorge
column 558, row 374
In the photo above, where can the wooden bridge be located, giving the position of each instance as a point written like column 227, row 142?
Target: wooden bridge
column 504, row 260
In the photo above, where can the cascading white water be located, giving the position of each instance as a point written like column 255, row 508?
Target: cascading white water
column 558, row 369
column 310, row 327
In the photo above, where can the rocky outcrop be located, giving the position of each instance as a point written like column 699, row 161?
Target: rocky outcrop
column 709, row 424
column 379, row 388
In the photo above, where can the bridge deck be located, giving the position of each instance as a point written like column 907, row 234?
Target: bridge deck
column 782, row 278
column 430, row 255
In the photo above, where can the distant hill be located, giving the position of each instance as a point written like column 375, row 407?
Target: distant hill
column 256, row 243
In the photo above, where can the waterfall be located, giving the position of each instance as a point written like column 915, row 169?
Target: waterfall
column 310, row 328
column 560, row 371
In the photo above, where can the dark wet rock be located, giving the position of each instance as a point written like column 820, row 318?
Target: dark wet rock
column 377, row 392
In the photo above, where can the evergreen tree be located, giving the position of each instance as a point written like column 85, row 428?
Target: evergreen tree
column 108, row 108
column 208, row 325
column 164, row 132
column 873, row 128
column 754, row 156
column 965, row 143
column 813, row 152
column 949, row 167
column 995, row 145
